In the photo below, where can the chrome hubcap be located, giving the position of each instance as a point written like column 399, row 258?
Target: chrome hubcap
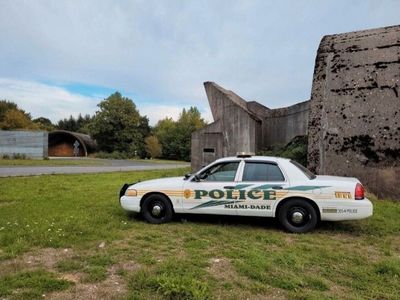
column 297, row 217
column 156, row 211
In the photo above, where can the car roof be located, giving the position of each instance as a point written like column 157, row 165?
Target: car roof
column 254, row 158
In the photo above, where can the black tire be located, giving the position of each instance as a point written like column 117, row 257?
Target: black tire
column 297, row 216
column 157, row 209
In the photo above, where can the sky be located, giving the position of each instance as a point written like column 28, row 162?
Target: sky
column 61, row 58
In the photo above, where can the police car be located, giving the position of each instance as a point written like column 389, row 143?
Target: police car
column 248, row 185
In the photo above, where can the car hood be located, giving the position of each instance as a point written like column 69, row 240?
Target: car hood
column 158, row 184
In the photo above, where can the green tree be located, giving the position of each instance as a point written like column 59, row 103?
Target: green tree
column 69, row 124
column 144, row 130
column 6, row 105
column 189, row 121
column 153, row 146
column 43, row 123
column 17, row 119
column 79, row 124
column 175, row 137
column 166, row 132
column 116, row 126
column 84, row 123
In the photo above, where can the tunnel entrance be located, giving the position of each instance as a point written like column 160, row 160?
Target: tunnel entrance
column 64, row 143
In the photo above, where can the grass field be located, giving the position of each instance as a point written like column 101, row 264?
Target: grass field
column 65, row 237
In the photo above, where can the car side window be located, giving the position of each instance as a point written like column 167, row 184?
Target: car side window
column 258, row 171
column 220, row 172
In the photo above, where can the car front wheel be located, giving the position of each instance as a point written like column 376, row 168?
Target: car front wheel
column 297, row 216
column 157, row 209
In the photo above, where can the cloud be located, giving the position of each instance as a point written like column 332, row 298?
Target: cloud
column 158, row 112
column 56, row 102
column 164, row 50
column 43, row 100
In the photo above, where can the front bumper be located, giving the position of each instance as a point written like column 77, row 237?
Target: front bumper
column 130, row 203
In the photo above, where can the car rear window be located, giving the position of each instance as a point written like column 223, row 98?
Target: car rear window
column 306, row 171
column 258, row 171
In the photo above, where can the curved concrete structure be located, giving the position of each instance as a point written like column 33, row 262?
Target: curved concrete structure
column 61, row 143
column 242, row 126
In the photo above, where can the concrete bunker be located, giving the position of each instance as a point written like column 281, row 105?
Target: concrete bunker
column 352, row 120
column 64, row 143
column 244, row 126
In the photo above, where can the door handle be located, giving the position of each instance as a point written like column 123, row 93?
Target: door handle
column 277, row 187
column 229, row 187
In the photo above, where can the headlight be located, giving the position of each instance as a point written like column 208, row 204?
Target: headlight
column 131, row 193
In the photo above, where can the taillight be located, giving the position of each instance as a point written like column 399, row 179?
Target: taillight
column 359, row 192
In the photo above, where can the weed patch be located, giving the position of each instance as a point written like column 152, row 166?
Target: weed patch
column 32, row 284
column 172, row 280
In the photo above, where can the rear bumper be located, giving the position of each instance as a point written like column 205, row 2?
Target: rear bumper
column 346, row 210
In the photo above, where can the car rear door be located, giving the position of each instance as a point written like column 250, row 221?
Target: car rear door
column 262, row 182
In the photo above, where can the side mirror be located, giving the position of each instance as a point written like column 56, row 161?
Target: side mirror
column 187, row 175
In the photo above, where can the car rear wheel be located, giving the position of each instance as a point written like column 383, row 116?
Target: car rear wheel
column 157, row 209
column 297, row 216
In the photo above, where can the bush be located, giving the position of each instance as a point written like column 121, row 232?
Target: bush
column 14, row 156
column 19, row 156
column 113, row 155
column 296, row 149
column 131, row 153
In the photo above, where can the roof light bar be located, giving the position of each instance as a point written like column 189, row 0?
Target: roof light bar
column 244, row 154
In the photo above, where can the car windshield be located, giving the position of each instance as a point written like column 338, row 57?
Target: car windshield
column 306, row 171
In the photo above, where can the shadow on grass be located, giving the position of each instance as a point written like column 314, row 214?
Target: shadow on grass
column 228, row 220
column 261, row 222
column 345, row 227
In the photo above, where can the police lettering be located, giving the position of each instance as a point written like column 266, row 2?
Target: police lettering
column 236, row 194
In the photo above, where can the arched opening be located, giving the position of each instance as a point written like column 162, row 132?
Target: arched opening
column 69, row 144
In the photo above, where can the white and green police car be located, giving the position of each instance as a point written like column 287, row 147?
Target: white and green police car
column 251, row 186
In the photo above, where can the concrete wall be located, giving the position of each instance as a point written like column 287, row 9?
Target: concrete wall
column 354, row 124
column 235, row 128
column 207, row 145
column 242, row 126
column 32, row 144
column 281, row 125
column 238, row 125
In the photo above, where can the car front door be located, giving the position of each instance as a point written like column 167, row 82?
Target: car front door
column 262, row 182
column 211, row 190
